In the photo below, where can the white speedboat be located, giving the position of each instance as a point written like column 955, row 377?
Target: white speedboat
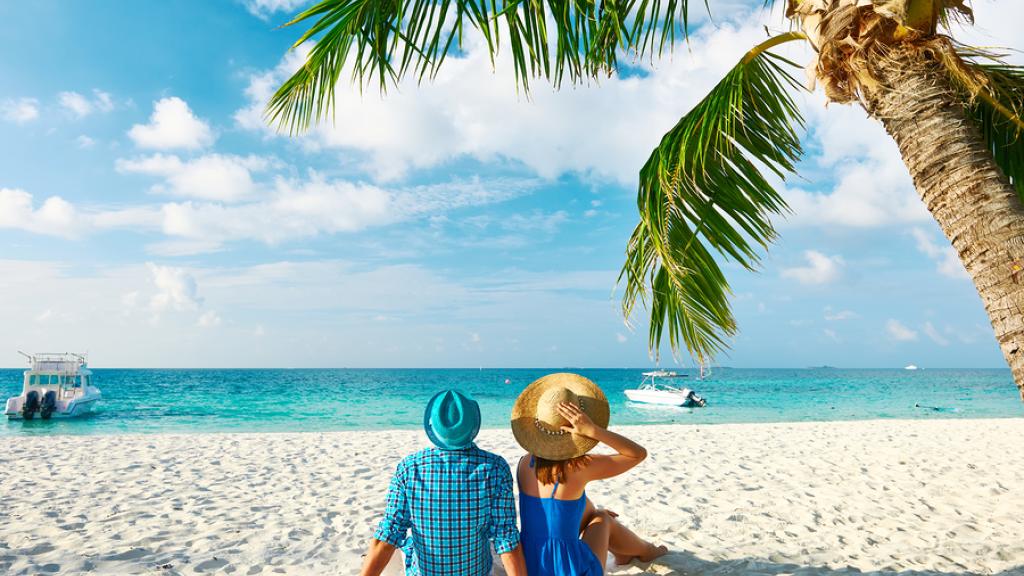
column 653, row 390
column 56, row 386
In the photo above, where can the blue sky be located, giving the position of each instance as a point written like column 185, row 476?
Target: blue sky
column 147, row 214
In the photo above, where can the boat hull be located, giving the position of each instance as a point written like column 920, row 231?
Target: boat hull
column 73, row 408
column 663, row 397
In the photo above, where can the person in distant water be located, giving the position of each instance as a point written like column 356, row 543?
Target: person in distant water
column 558, row 419
column 455, row 498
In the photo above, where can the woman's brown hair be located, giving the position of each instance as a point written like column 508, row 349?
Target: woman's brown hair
column 551, row 471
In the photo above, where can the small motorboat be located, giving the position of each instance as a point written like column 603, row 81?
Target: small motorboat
column 56, row 386
column 654, row 391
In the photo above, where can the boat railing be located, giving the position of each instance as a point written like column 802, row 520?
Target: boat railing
column 654, row 385
column 62, row 362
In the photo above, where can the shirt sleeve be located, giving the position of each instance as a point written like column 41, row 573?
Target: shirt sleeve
column 395, row 525
column 503, row 532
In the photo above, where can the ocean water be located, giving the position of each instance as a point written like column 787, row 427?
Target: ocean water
column 147, row 401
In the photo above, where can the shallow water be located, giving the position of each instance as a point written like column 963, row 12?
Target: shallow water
column 144, row 401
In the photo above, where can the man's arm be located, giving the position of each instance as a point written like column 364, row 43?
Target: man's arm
column 377, row 558
column 393, row 527
column 514, row 563
column 503, row 531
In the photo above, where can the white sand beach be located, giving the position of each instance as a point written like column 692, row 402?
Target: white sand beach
column 891, row 497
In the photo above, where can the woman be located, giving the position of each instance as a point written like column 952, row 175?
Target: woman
column 558, row 419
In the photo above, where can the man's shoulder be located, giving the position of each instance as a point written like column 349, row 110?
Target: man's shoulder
column 417, row 458
column 473, row 455
column 492, row 458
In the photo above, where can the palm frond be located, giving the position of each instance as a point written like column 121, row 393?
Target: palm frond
column 702, row 194
column 994, row 92
column 955, row 12
column 383, row 41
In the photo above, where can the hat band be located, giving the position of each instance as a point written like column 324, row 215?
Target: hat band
column 544, row 428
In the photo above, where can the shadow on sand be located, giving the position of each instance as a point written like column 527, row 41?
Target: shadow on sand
column 685, row 563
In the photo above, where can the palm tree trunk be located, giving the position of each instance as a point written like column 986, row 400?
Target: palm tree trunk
column 956, row 177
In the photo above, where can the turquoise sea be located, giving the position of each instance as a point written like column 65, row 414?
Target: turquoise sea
column 146, row 401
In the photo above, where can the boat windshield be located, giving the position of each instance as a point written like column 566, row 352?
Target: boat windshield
column 63, row 380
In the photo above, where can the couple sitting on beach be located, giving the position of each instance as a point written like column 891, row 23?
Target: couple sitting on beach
column 457, row 501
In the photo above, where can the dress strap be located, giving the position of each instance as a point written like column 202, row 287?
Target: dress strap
column 553, row 490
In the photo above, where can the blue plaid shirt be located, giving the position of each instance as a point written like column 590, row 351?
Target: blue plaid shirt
column 454, row 502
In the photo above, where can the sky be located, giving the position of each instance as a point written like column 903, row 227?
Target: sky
column 149, row 216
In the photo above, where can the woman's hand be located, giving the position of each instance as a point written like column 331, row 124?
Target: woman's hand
column 579, row 423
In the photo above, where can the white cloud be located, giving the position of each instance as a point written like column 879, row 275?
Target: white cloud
column 947, row 261
column 820, row 269
column 103, row 101
column 137, row 218
column 55, row 217
column 81, row 106
column 224, row 178
column 307, row 208
column 466, row 111
column 84, row 142
column 899, row 332
column 265, row 8
column 872, row 185
column 175, row 289
column 933, row 333
column 620, row 338
column 19, row 110
column 209, row 319
column 130, row 300
column 838, row 315
column 75, row 103
column 172, row 125
column 536, row 221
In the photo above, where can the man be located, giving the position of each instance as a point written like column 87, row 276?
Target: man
column 456, row 498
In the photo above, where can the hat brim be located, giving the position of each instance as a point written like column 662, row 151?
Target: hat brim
column 557, row 446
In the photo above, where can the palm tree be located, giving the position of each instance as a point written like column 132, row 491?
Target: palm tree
column 954, row 111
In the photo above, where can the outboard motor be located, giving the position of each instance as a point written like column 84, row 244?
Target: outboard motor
column 31, row 405
column 49, row 404
column 694, row 400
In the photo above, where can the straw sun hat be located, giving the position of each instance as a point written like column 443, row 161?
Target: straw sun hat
column 537, row 425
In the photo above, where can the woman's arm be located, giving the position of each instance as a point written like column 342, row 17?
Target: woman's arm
column 629, row 452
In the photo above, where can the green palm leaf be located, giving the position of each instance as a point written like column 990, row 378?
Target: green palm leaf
column 702, row 194
column 385, row 40
column 995, row 100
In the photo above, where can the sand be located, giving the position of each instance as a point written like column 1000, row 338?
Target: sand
column 893, row 497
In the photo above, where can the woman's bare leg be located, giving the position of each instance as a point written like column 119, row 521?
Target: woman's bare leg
column 596, row 533
column 623, row 543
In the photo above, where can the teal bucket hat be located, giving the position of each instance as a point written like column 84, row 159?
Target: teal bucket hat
column 451, row 420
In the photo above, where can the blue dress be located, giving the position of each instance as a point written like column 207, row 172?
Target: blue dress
column 551, row 537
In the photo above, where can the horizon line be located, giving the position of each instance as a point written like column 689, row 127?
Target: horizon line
column 482, row 368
